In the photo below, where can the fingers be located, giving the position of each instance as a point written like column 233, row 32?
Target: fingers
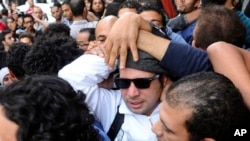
column 123, row 56
column 95, row 49
column 134, row 51
column 108, row 48
column 113, row 55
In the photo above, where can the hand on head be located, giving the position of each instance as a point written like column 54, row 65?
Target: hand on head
column 124, row 35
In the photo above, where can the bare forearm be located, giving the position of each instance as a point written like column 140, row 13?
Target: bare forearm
column 152, row 44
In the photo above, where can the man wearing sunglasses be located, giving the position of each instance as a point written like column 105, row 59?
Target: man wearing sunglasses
column 138, row 97
column 141, row 85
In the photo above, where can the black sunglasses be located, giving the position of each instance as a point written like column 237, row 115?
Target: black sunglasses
column 140, row 83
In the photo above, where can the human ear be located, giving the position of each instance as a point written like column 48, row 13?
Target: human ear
column 166, row 83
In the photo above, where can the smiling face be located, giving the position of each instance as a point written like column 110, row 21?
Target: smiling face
column 171, row 126
column 8, row 129
column 141, row 101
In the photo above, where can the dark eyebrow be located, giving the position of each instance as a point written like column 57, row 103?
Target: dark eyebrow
column 166, row 127
column 101, row 36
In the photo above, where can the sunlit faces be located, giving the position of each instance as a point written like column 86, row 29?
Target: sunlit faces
column 141, row 101
column 7, row 80
column 8, row 129
column 28, row 23
column 103, row 28
column 11, row 24
column 37, row 12
column 8, row 40
column 171, row 125
column 67, row 13
column 87, row 3
column 152, row 17
column 56, row 12
column 82, row 39
column 186, row 6
column 97, row 5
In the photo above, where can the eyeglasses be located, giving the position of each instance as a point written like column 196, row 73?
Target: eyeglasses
column 140, row 83
column 82, row 44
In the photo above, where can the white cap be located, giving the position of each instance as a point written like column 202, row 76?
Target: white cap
column 3, row 72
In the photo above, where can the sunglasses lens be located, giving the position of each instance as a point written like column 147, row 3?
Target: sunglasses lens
column 122, row 83
column 142, row 83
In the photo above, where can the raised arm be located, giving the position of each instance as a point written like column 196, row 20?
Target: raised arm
column 124, row 35
column 234, row 63
column 178, row 59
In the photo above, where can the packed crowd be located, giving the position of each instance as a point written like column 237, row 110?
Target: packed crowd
column 125, row 70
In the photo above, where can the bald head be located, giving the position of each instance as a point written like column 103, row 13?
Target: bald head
column 103, row 28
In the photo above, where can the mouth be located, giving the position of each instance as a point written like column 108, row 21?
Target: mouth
column 135, row 105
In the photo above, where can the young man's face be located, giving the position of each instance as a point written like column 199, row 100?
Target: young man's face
column 82, row 40
column 138, row 100
column 8, row 40
column 187, row 6
column 97, row 5
column 67, row 13
column 56, row 13
column 171, row 125
column 152, row 17
column 28, row 23
column 11, row 24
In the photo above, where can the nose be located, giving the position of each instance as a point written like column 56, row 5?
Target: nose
column 132, row 90
column 157, row 128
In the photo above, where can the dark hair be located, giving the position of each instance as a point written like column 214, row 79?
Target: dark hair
column 29, row 16
column 217, row 106
column 50, row 53
column 155, row 8
column 5, row 12
column 65, row 2
column 91, row 32
column 112, row 9
column 98, row 14
column 154, row 2
column 15, row 57
column 57, row 4
column 212, row 2
column 11, row 17
column 55, row 28
column 46, row 108
column 3, row 34
column 77, row 7
column 130, row 4
column 26, row 35
column 217, row 23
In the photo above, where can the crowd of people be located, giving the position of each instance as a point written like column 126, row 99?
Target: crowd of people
column 125, row 70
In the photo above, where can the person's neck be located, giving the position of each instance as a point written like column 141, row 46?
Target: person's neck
column 6, row 48
column 59, row 20
column 79, row 18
